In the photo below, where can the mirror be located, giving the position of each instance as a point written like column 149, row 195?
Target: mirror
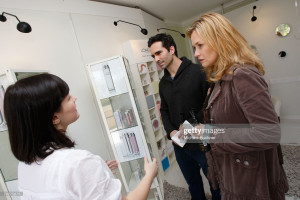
column 282, row 30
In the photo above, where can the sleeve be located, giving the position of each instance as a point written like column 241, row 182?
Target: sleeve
column 263, row 131
column 203, row 87
column 165, row 115
column 86, row 176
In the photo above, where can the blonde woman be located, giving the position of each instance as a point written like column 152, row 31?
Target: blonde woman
column 244, row 155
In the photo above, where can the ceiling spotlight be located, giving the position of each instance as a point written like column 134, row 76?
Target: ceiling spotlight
column 253, row 18
column 23, row 27
column 182, row 35
column 143, row 30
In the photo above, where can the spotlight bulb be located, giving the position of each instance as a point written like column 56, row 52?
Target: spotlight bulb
column 144, row 31
column 2, row 18
column 253, row 18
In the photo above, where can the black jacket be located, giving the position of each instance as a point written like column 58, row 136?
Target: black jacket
column 182, row 96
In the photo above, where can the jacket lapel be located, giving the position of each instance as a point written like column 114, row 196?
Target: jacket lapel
column 215, row 93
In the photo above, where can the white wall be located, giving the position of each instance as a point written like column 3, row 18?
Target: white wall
column 152, row 24
column 261, row 33
column 181, row 43
column 284, row 74
column 66, row 35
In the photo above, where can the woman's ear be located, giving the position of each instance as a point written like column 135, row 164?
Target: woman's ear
column 55, row 119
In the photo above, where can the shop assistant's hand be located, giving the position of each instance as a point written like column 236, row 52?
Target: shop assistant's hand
column 151, row 169
column 112, row 164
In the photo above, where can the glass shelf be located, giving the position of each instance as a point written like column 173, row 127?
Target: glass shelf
column 118, row 112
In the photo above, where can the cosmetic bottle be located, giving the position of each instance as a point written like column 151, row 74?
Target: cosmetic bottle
column 132, row 117
column 123, row 146
column 136, row 144
column 118, row 119
column 138, row 173
column 128, row 143
column 128, row 118
column 108, row 78
column 1, row 104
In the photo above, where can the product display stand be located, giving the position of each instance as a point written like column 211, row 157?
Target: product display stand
column 119, row 110
column 145, row 76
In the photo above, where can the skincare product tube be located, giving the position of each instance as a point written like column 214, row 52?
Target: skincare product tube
column 108, row 78
column 128, row 143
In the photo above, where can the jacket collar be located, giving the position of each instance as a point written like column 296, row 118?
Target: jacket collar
column 215, row 93
column 229, row 76
column 226, row 77
column 217, row 90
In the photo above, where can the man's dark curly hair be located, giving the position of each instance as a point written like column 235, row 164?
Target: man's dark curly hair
column 166, row 39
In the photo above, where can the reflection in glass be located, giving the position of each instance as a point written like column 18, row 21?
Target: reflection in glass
column 133, row 171
column 22, row 75
column 282, row 30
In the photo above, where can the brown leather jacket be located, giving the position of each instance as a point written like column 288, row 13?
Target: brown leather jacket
column 247, row 164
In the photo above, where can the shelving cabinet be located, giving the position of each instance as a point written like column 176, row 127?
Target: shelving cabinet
column 145, row 76
column 120, row 111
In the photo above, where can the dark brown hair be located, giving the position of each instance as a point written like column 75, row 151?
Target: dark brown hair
column 29, row 106
column 166, row 40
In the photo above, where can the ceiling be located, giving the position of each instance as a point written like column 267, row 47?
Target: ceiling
column 174, row 12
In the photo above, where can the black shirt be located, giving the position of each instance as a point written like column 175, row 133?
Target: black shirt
column 183, row 96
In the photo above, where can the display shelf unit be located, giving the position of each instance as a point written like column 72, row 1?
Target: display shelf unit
column 145, row 76
column 123, row 120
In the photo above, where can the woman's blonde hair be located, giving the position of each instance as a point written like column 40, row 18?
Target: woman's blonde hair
column 232, row 48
